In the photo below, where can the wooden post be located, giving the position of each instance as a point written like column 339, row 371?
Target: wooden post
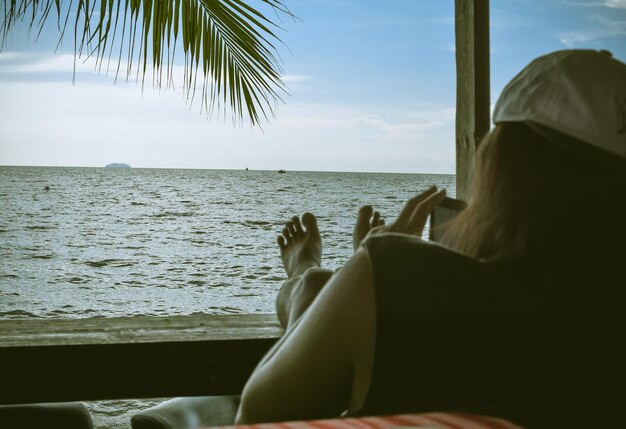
column 472, row 87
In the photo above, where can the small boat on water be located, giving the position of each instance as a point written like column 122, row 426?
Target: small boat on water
column 281, row 171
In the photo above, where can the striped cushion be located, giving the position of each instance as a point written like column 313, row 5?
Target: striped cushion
column 426, row 420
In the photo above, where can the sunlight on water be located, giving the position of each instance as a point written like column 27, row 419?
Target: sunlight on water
column 104, row 242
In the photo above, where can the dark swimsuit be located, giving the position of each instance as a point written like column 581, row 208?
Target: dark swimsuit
column 455, row 334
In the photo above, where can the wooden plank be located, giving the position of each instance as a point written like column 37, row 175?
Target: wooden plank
column 473, row 87
column 139, row 329
column 139, row 357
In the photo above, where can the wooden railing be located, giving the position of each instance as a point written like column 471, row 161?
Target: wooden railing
column 137, row 357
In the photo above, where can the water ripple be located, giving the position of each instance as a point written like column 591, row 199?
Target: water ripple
column 119, row 263
column 109, row 243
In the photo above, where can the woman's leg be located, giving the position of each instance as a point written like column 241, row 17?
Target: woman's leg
column 300, row 248
column 301, row 252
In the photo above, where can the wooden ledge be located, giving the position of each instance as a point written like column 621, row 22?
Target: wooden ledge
column 138, row 329
column 137, row 357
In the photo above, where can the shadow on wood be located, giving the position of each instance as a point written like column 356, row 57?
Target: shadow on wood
column 139, row 357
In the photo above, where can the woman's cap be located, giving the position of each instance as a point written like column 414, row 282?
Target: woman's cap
column 581, row 94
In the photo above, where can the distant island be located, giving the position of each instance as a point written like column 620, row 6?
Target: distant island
column 117, row 165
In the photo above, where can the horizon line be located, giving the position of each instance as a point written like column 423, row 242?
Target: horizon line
column 222, row 169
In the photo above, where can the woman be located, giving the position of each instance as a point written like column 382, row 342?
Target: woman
column 517, row 317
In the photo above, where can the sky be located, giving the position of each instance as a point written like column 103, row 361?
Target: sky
column 371, row 88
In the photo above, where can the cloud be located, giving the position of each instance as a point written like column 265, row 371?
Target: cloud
column 388, row 127
column 47, row 66
column 4, row 56
column 617, row 4
column 604, row 28
column 43, row 64
column 613, row 4
column 366, row 137
column 17, row 62
column 93, row 122
column 62, row 68
column 14, row 63
column 294, row 78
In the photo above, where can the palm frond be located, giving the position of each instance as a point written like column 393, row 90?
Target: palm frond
column 228, row 46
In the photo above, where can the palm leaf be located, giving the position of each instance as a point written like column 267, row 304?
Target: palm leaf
column 227, row 44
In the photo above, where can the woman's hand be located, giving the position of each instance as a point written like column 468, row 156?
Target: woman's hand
column 413, row 216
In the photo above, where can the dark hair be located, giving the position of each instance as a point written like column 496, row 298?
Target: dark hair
column 539, row 211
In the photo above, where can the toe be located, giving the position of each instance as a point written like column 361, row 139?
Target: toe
column 375, row 219
column 287, row 235
column 292, row 230
column 310, row 222
column 282, row 244
column 298, row 226
column 365, row 213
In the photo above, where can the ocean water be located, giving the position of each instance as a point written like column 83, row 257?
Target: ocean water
column 122, row 242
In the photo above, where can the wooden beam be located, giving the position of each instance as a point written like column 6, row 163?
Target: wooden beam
column 472, row 88
column 139, row 357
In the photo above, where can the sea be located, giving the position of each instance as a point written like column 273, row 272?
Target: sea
column 103, row 242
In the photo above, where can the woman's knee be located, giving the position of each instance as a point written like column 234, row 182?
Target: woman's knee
column 312, row 281
column 315, row 278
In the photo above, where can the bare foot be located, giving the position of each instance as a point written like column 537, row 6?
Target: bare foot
column 300, row 247
column 365, row 221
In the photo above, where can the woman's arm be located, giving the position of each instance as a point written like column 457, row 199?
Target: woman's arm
column 321, row 367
